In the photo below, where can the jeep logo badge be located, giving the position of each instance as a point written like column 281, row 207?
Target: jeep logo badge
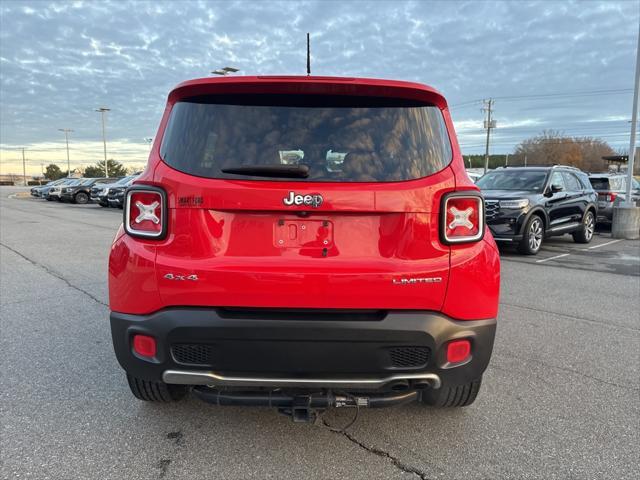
column 309, row 200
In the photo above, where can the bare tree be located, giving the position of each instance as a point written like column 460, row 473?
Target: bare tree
column 553, row 147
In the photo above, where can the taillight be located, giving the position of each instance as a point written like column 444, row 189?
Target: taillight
column 608, row 196
column 145, row 212
column 462, row 217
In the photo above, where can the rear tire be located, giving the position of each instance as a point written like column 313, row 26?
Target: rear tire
column 156, row 391
column 585, row 233
column 454, row 396
column 532, row 237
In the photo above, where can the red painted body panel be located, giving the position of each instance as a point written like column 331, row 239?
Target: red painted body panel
column 474, row 281
column 247, row 249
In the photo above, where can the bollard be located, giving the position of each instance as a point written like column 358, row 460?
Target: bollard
column 626, row 222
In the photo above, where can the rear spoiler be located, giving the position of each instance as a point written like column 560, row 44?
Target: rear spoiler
column 308, row 86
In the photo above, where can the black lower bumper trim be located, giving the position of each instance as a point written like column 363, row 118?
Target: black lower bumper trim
column 316, row 401
column 302, row 349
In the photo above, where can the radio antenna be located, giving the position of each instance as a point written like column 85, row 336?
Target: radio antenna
column 308, row 55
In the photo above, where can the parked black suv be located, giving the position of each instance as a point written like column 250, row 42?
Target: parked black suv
column 80, row 192
column 99, row 192
column 115, row 197
column 526, row 204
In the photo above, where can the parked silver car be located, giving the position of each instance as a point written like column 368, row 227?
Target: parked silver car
column 611, row 188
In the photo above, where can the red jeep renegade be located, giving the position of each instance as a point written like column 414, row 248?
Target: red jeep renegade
column 304, row 243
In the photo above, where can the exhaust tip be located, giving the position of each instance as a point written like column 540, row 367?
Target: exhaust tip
column 399, row 386
column 422, row 384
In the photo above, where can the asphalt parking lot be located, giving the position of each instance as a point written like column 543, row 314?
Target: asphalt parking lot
column 561, row 397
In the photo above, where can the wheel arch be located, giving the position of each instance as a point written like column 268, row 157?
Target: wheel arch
column 591, row 208
column 539, row 211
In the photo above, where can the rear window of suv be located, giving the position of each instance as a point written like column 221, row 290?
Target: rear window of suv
column 615, row 184
column 340, row 139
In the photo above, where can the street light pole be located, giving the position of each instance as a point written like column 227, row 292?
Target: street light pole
column 66, row 138
column 24, row 169
column 626, row 217
column 634, row 123
column 102, row 111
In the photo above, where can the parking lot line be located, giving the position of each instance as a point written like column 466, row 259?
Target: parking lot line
column 603, row 244
column 552, row 258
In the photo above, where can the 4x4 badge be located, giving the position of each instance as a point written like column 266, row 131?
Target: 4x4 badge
column 314, row 200
column 171, row 276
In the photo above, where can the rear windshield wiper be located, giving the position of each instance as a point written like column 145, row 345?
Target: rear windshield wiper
column 273, row 171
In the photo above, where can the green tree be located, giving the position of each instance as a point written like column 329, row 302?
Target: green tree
column 53, row 172
column 116, row 169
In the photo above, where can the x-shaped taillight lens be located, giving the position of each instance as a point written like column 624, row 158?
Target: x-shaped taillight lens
column 145, row 212
column 462, row 218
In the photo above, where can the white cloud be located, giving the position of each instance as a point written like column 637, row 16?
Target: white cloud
column 62, row 59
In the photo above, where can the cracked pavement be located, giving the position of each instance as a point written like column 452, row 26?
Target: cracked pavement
column 561, row 397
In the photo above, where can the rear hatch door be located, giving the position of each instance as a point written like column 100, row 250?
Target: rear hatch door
column 358, row 231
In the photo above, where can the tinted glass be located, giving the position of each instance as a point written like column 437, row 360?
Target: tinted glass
column 125, row 180
column 530, row 180
column 599, row 183
column 557, row 180
column 584, row 181
column 345, row 139
column 572, row 183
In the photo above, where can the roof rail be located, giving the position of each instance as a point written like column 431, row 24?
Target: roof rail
column 570, row 167
column 525, row 166
column 541, row 166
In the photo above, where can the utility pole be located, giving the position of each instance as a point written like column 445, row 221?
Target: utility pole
column 506, row 162
column 24, row 169
column 66, row 138
column 488, row 124
column 102, row 111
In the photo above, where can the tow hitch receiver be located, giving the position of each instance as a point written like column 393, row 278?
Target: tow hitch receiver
column 300, row 411
column 301, row 407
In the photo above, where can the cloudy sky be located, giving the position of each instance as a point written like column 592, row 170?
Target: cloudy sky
column 549, row 65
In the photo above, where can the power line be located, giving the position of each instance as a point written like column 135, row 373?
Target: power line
column 516, row 142
column 591, row 93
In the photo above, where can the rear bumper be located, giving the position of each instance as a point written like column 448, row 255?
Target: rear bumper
column 264, row 349
column 605, row 213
